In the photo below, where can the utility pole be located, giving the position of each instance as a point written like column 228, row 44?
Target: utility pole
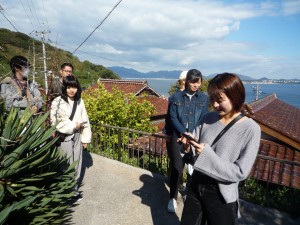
column 42, row 35
column 33, row 72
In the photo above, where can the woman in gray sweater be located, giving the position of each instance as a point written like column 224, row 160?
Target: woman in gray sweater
column 220, row 166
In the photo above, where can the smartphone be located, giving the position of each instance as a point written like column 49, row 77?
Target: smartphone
column 83, row 122
column 189, row 137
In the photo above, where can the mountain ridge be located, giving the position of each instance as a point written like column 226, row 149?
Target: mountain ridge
column 131, row 73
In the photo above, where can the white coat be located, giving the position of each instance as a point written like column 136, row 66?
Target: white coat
column 59, row 116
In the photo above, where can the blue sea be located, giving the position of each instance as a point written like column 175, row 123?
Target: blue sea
column 288, row 93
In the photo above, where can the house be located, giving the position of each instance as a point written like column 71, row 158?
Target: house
column 279, row 153
column 140, row 88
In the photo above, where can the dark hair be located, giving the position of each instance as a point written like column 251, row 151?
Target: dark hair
column 66, row 64
column 70, row 81
column 18, row 62
column 229, row 84
column 193, row 76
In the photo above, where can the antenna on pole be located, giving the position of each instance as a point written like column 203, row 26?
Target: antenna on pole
column 42, row 35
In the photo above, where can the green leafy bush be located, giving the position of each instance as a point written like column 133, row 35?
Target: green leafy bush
column 115, row 109
column 269, row 195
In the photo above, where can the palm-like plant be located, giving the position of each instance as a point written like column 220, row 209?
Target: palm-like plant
column 36, row 184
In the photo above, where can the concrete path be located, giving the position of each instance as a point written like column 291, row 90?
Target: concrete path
column 118, row 194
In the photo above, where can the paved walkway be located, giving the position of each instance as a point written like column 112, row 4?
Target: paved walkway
column 118, row 194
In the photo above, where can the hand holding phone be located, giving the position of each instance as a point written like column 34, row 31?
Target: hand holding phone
column 189, row 137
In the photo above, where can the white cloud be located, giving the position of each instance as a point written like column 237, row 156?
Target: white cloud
column 156, row 34
column 291, row 7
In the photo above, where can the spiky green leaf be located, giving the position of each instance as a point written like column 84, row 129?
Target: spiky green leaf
column 4, row 213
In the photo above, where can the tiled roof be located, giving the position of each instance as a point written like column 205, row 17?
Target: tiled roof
column 151, row 144
column 277, row 119
column 136, row 87
column 160, row 104
column 277, row 164
column 159, row 124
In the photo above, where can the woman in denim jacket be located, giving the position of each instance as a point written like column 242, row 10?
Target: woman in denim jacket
column 186, row 110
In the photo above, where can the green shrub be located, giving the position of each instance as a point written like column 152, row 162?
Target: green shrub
column 34, row 187
column 269, row 195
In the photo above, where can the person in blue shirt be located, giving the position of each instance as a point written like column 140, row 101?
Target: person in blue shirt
column 186, row 109
column 168, row 129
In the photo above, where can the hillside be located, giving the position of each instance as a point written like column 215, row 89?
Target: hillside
column 16, row 43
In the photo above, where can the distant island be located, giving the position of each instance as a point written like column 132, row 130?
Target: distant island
column 131, row 73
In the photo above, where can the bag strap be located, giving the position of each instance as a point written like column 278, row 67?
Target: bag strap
column 227, row 128
column 73, row 110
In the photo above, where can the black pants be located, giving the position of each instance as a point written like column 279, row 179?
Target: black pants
column 204, row 200
column 176, row 166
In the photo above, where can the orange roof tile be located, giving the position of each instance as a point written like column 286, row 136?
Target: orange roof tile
column 282, row 119
column 129, row 86
column 272, row 165
column 160, row 104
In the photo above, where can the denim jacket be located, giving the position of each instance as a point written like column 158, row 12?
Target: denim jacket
column 168, row 129
column 184, row 111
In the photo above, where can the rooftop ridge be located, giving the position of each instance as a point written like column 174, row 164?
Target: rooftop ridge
column 261, row 103
column 136, row 82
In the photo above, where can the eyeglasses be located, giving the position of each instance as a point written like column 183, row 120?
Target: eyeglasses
column 68, row 71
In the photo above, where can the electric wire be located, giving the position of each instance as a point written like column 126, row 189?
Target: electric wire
column 1, row 10
column 26, row 12
column 41, row 14
column 45, row 14
column 91, row 54
column 98, row 26
column 30, row 14
column 35, row 18
column 35, row 15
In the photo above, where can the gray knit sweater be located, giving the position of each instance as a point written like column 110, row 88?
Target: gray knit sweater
column 231, row 158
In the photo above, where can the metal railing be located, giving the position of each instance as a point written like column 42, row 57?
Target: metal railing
column 148, row 151
column 137, row 148
column 276, row 171
column 266, row 185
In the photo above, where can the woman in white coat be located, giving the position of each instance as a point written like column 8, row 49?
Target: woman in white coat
column 77, row 130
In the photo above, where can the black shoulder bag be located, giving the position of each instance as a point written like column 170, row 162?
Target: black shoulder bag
column 190, row 158
column 62, row 136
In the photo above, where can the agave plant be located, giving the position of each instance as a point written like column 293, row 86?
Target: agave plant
column 36, row 183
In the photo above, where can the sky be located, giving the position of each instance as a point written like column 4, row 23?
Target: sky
column 252, row 37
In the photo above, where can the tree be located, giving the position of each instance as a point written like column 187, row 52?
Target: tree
column 117, row 109
column 34, row 187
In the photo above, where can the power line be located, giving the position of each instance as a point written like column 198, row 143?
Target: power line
column 45, row 15
column 94, row 55
column 98, row 26
column 1, row 9
column 26, row 13
column 34, row 15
